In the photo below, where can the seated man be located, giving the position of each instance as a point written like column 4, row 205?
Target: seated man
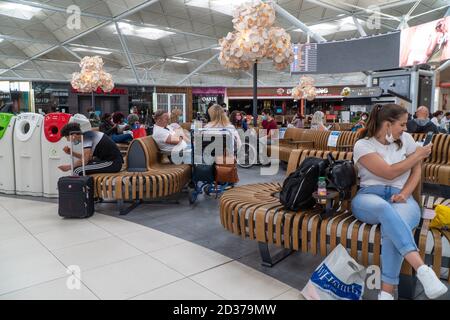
column 422, row 124
column 169, row 141
column 101, row 154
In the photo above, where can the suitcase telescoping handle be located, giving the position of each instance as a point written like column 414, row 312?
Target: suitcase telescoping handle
column 82, row 151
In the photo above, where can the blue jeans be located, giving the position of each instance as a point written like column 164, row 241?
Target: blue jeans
column 372, row 205
column 119, row 138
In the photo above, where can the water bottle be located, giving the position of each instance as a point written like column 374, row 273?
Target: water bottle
column 322, row 188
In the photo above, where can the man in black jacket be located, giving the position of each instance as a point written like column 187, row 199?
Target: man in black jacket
column 422, row 124
column 101, row 155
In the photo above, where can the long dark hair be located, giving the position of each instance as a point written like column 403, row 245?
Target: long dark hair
column 389, row 112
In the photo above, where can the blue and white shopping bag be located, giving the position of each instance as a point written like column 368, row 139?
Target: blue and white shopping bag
column 338, row 277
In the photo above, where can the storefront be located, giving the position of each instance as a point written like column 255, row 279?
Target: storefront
column 16, row 96
column 329, row 100
column 279, row 100
column 202, row 97
column 171, row 98
column 51, row 97
column 140, row 101
column 105, row 102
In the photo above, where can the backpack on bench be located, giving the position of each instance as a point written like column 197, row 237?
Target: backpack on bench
column 299, row 186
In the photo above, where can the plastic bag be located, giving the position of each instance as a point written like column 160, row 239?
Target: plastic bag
column 442, row 218
column 338, row 277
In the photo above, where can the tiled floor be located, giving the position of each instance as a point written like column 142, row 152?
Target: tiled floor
column 158, row 251
column 117, row 259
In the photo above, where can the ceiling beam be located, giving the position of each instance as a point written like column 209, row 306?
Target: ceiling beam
column 198, row 68
column 72, row 53
column 127, row 52
column 57, row 9
column 84, row 33
column 430, row 11
column 360, row 28
column 283, row 12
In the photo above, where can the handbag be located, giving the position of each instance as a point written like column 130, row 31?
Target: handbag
column 442, row 218
column 139, row 133
column 226, row 170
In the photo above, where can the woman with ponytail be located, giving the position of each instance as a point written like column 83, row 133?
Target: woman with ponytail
column 389, row 165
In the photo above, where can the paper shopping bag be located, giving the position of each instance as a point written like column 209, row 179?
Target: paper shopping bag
column 338, row 277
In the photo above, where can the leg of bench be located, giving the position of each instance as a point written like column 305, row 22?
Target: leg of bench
column 267, row 259
column 407, row 287
column 126, row 210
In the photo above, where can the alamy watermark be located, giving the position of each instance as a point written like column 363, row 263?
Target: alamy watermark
column 246, row 148
column 73, row 281
column 74, row 20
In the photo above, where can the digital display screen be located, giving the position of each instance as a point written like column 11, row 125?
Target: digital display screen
column 380, row 52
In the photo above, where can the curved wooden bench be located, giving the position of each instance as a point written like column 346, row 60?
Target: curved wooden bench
column 317, row 140
column 145, row 176
column 255, row 212
column 437, row 166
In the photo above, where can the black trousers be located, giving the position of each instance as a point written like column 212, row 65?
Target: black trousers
column 99, row 167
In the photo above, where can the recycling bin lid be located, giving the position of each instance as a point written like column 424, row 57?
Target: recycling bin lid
column 26, row 124
column 53, row 123
column 5, row 118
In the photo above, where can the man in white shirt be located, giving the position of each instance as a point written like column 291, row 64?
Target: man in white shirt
column 169, row 141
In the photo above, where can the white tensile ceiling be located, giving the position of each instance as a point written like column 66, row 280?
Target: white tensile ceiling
column 168, row 40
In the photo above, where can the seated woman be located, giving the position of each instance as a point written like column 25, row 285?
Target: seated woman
column 361, row 124
column 111, row 129
column 317, row 122
column 220, row 120
column 297, row 121
column 389, row 163
column 238, row 120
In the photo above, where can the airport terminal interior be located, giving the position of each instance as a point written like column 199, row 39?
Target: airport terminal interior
column 224, row 150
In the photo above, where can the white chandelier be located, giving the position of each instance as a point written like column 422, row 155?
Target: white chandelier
column 92, row 76
column 305, row 89
column 254, row 38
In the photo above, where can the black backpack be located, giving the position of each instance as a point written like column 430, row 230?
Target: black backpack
column 341, row 176
column 299, row 186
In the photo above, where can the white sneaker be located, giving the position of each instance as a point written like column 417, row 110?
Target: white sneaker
column 383, row 295
column 433, row 287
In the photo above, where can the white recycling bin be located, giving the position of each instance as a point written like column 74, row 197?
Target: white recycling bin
column 7, row 182
column 52, row 152
column 27, row 154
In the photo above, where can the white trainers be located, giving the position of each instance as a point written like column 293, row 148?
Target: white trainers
column 383, row 295
column 433, row 287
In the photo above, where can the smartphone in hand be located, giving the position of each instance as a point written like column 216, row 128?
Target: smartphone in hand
column 428, row 138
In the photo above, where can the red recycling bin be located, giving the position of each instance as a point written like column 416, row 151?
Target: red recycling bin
column 53, row 123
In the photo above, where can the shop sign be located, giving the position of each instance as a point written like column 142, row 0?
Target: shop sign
column 115, row 91
column 321, row 90
column 208, row 91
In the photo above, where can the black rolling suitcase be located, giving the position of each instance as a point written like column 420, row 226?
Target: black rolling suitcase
column 76, row 194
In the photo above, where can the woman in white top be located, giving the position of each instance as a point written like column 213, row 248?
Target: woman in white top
column 389, row 163
column 317, row 122
column 437, row 117
column 220, row 120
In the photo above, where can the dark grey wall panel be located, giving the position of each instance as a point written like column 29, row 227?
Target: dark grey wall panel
column 367, row 54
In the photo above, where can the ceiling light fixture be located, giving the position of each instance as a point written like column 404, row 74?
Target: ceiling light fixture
column 92, row 50
column 340, row 25
column 142, row 32
column 19, row 11
column 225, row 7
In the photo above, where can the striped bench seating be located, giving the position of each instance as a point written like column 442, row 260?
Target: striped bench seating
column 314, row 139
column 437, row 166
column 255, row 212
column 146, row 176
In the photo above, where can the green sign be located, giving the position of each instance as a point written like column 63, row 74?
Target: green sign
column 5, row 118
